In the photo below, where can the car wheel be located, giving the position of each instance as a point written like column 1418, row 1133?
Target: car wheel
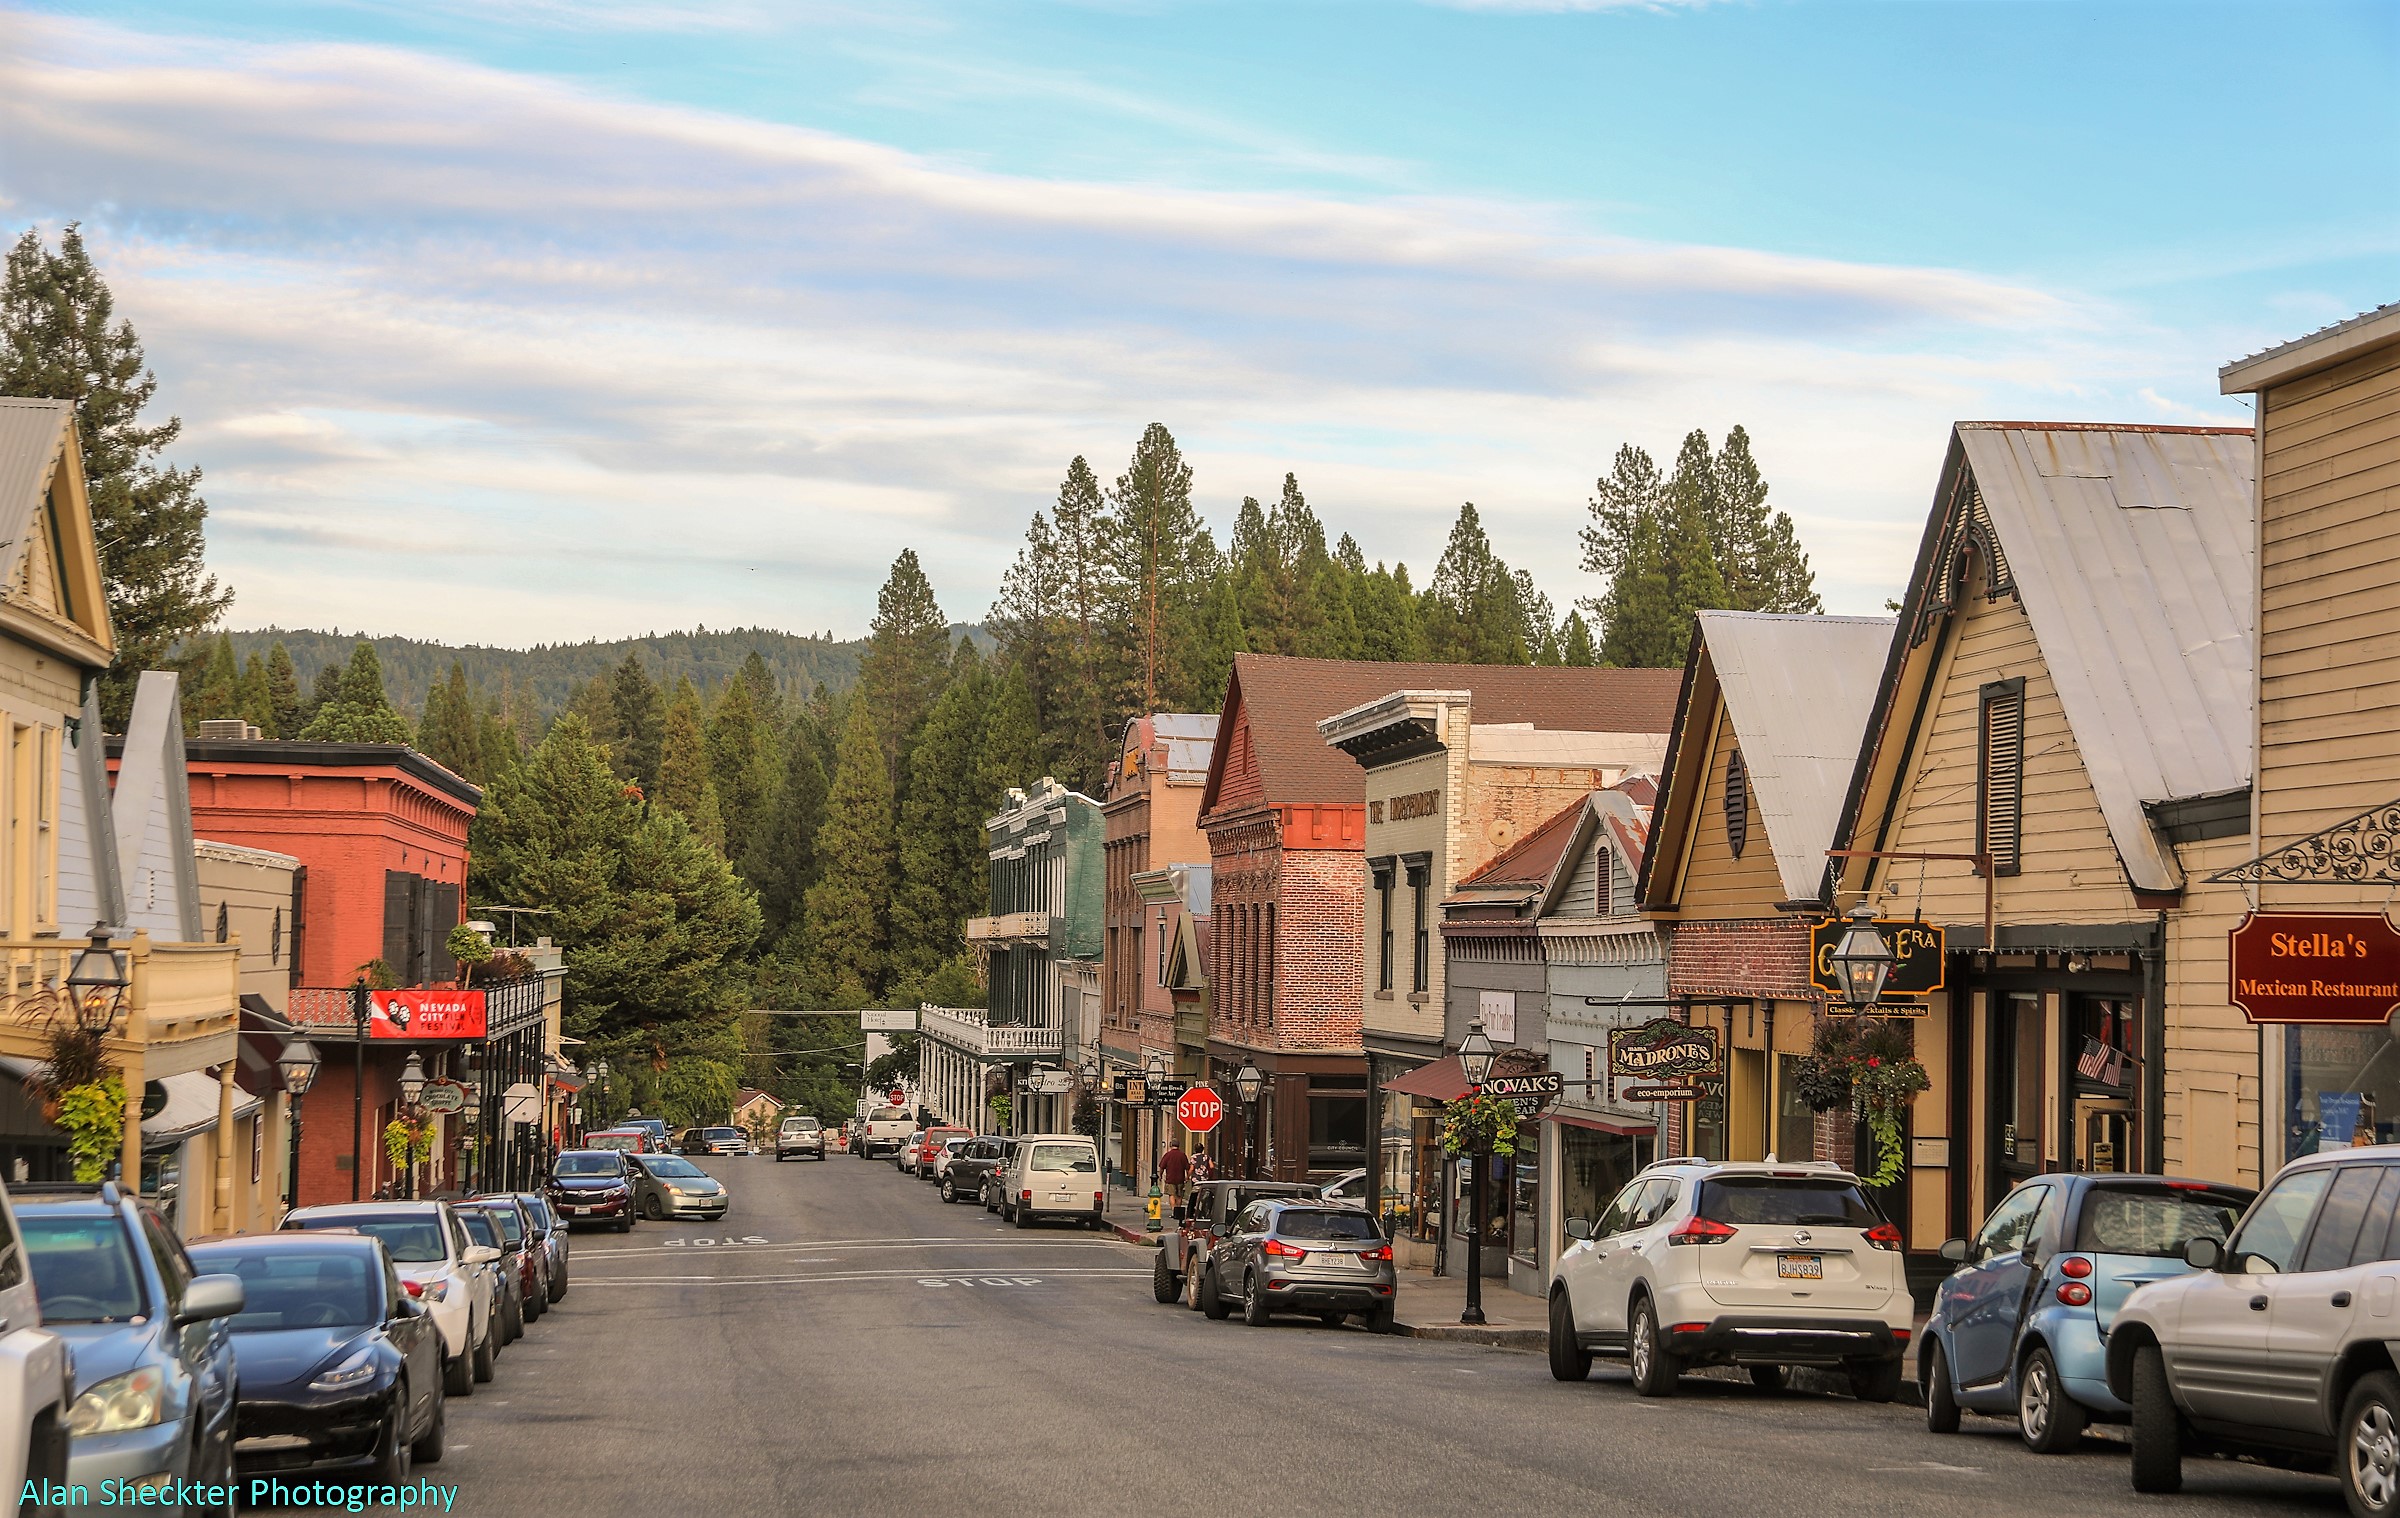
column 391, row 1451
column 223, row 1476
column 2050, row 1421
column 1654, row 1367
column 1769, row 1378
column 1941, row 1398
column 949, row 1190
column 1878, row 1380
column 1024, row 1218
column 2157, row 1425
column 653, row 1209
column 2370, row 1446
column 1163, row 1285
column 625, row 1225
column 485, row 1354
column 1333, row 1319
column 1254, row 1300
column 458, row 1379
column 1569, row 1360
column 558, row 1286
column 1380, row 1320
column 990, row 1205
column 1193, row 1285
column 428, row 1450
column 1213, row 1305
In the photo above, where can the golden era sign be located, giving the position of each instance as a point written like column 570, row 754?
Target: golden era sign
column 1916, row 949
column 2315, row 967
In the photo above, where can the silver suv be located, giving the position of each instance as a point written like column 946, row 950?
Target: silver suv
column 2278, row 1346
column 800, row 1135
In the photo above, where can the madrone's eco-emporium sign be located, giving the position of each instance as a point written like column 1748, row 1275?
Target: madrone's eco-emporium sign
column 1917, row 956
column 1671, row 1061
column 2316, row 967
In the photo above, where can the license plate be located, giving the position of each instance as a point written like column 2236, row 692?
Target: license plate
column 1800, row 1267
column 580, row 1211
column 1058, row 1196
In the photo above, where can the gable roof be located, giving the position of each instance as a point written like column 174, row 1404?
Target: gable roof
column 1532, row 859
column 1283, row 699
column 39, row 456
column 2307, row 354
column 1537, row 864
column 1798, row 691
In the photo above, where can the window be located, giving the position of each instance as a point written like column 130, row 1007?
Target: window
column 1383, row 924
column 1420, row 879
column 1267, row 990
column 2347, row 1203
column 2158, row 1220
column 1737, row 803
column 1613, row 1221
column 1657, row 1200
column 2000, row 774
column 2270, row 1239
column 2011, row 1225
column 1604, row 882
column 1772, row 1201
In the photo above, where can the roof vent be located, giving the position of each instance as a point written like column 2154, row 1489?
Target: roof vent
column 231, row 728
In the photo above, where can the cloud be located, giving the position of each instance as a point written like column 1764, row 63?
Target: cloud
column 538, row 362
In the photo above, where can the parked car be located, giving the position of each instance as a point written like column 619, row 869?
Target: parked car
column 35, row 1378
column 967, row 1169
column 1349, row 1188
column 2274, row 1346
column 506, row 1275
column 551, row 1230
column 714, row 1141
column 670, row 1186
column 593, row 1186
column 2021, row 1328
column 522, row 1248
column 904, row 1158
column 661, row 1141
column 1302, row 1256
column 1204, row 1221
column 942, row 1154
column 625, row 1141
column 996, row 1176
column 799, row 1135
column 881, row 1131
column 1053, row 1175
column 928, row 1147
column 1763, row 1265
column 338, row 1366
column 145, row 1332
column 439, row 1266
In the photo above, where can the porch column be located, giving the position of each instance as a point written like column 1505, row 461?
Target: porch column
column 129, row 1064
column 221, row 1215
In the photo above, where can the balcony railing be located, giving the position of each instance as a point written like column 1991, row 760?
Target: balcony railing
column 180, row 1013
column 1011, row 927
column 971, row 1029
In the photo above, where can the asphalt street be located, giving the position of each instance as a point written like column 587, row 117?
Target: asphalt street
column 844, row 1343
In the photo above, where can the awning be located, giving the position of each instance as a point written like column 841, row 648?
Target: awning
column 1445, row 1080
column 1622, row 1127
column 191, row 1108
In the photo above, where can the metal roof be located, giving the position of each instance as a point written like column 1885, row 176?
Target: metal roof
column 31, row 435
column 2131, row 549
column 2315, row 350
column 1799, row 691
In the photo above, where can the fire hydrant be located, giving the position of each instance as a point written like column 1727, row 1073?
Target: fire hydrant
column 1151, row 1208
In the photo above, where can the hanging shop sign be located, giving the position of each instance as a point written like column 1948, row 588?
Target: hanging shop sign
column 2315, row 967
column 443, row 1096
column 1672, row 1091
column 1142, row 1091
column 425, row 1014
column 1917, row 956
column 1529, row 1094
column 1665, row 1051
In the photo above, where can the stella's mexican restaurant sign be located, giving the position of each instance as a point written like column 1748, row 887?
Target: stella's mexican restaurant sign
column 425, row 1014
column 2316, row 967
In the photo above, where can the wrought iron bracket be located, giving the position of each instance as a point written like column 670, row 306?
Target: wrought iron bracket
column 2362, row 850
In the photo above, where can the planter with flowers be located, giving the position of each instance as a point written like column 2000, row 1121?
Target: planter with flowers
column 1870, row 1066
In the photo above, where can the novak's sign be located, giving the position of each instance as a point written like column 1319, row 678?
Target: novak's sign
column 425, row 1014
column 2316, row 967
column 1916, row 956
column 1663, row 1049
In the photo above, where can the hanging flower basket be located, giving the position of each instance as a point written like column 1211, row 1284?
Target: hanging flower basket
column 1870, row 1067
column 1479, row 1120
column 93, row 1116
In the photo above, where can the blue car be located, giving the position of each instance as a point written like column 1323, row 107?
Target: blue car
column 2020, row 1328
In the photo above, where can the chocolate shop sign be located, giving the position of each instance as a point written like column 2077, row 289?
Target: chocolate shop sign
column 2315, row 967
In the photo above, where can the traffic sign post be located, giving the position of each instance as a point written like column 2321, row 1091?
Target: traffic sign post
column 1200, row 1109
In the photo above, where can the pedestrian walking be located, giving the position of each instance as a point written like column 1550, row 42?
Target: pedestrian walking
column 1204, row 1167
column 1174, row 1167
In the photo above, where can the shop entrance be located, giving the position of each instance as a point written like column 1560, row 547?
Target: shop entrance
column 2016, row 1108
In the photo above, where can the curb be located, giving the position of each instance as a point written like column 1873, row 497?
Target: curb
column 1523, row 1339
column 1134, row 1235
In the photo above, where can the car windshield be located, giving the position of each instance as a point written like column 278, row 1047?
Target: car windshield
column 411, row 1241
column 719, row 1133
column 1327, row 1225
column 480, row 1227
column 83, row 1268
column 297, row 1288
column 2156, row 1221
column 800, row 1125
column 512, row 1227
column 1772, row 1199
column 888, row 1115
column 538, row 1209
column 1074, row 1157
column 612, row 1140
column 671, row 1165
column 589, row 1165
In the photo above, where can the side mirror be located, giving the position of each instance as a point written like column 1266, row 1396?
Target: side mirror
column 1579, row 1229
column 2204, row 1253
column 1955, row 1251
column 208, row 1297
column 480, row 1254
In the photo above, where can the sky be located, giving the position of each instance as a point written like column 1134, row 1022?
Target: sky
column 517, row 321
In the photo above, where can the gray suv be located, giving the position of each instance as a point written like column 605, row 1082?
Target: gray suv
column 2276, row 1347
column 1301, row 1257
column 153, row 1354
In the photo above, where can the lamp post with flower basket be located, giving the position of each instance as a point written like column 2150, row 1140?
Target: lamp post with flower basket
column 1480, row 1126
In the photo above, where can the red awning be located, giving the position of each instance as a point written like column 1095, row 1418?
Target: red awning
column 1621, row 1127
column 1445, row 1080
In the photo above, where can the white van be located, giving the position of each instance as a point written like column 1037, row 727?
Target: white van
column 1054, row 1175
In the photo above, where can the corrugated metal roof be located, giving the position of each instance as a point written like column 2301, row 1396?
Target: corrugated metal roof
column 30, row 434
column 2336, row 342
column 1799, row 691
column 2131, row 548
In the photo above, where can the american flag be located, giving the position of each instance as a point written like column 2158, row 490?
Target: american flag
column 2094, row 1060
column 2114, row 1075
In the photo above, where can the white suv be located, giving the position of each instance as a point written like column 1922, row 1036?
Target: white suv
column 34, row 1379
column 1764, row 1265
column 800, row 1135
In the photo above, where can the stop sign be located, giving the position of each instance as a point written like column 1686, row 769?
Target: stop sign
column 1200, row 1109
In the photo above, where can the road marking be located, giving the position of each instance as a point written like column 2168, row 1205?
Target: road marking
column 1927, row 1465
column 845, row 1277
column 979, row 1280
column 606, row 1255
column 711, row 1243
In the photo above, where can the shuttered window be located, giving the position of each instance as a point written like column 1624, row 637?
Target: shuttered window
column 2000, row 775
column 1737, row 804
column 1604, row 880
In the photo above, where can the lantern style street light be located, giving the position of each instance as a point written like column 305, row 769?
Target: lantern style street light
column 96, row 982
column 412, row 1086
column 297, row 1063
column 1249, row 1084
column 1475, row 1056
column 1863, row 959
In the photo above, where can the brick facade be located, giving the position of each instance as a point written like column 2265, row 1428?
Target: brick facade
column 1756, row 959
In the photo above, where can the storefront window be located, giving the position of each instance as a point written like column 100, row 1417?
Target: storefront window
column 1795, row 1124
column 2104, row 1045
column 1525, row 1208
column 1593, row 1167
column 1337, row 1131
column 2343, row 1089
column 1707, row 1137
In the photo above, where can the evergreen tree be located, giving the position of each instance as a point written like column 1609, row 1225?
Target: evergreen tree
column 908, row 654
column 1758, row 550
column 1330, row 630
column 1210, row 656
column 781, row 862
column 844, row 912
column 1533, row 618
column 1390, row 628
column 1472, row 610
column 256, row 701
column 684, row 783
column 1575, row 643
column 593, row 701
column 217, row 694
column 941, row 835
column 283, row 693
column 1350, row 556
column 452, row 736
column 1081, row 738
column 60, row 339
column 765, row 694
column 640, row 714
column 740, row 764
column 326, row 689
column 1012, row 742
column 1160, row 561
column 359, row 712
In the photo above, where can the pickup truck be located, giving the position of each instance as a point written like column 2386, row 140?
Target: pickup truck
column 1200, row 1223
column 33, row 1386
column 881, row 1131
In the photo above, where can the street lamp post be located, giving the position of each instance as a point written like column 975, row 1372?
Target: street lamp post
column 298, row 1062
column 1153, row 1073
column 358, row 1085
column 1475, row 1054
column 96, row 982
column 412, row 1086
column 1250, row 1084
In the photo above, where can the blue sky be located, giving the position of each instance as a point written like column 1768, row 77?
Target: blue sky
column 704, row 311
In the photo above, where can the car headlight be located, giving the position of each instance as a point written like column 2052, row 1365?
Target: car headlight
column 136, row 1399
column 355, row 1371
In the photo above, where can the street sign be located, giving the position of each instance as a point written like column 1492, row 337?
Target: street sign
column 442, row 1097
column 1917, row 957
column 886, row 1020
column 521, row 1103
column 1199, row 1109
column 2315, row 967
column 1663, row 1049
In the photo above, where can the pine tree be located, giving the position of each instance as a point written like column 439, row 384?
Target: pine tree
column 1160, row 561
column 60, row 339
column 1758, row 550
column 283, row 693
column 1390, row 628
column 941, row 834
column 781, row 862
column 765, row 695
column 844, row 913
column 684, row 786
column 1080, row 739
column 256, row 697
column 1575, row 643
column 217, row 694
column 323, row 691
column 640, row 713
column 1472, row 610
column 908, row 653
column 1210, row 656
column 740, row 764
column 596, row 705
column 1331, row 629
column 452, row 736
column 1350, row 556
column 1012, row 742
column 359, row 712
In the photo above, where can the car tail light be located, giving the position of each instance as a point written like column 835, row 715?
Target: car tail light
column 1384, row 1253
column 1900, row 1336
column 2075, row 1267
column 1099, row 1199
column 2074, row 1293
column 1283, row 1251
column 1689, row 1328
column 1699, row 1230
column 1884, row 1236
column 413, row 1288
column 1024, row 1196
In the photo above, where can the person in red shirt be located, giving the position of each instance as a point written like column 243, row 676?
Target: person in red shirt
column 1173, row 1168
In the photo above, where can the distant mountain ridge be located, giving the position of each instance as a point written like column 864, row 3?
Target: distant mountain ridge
column 549, row 672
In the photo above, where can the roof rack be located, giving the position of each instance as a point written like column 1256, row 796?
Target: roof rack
column 106, row 1191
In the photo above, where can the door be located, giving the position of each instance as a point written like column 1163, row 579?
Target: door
column 1619, row 1259
column 1584, row 1267
column 2310, row 1310
column 2217, row 1348
column 2018, row 1029
column 1987, row 1297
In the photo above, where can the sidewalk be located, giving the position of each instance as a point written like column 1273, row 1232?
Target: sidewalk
column 1428, row 1307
